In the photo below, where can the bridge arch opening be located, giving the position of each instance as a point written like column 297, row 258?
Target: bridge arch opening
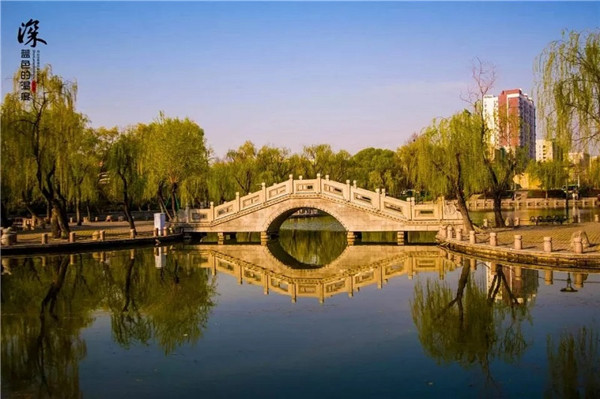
column 305, row 218
column 307, row 238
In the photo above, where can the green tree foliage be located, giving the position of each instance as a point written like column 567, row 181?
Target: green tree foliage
column 273, row 164
column 126, row 179
column 175, row 161
column 593, row 175
column 378, row 168
column 448, row 161
column 552, row 174
column 244, row 167
column 322, row 159
column 221, row 186
column 43, row 134
column 406, row 157
column 568, row 87
column 84, row 170
column 574, row 365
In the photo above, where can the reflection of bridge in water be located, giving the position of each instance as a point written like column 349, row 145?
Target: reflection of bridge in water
column 356, row 267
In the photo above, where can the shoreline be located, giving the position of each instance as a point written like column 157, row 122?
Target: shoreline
column 532, row 251
column 70, row 247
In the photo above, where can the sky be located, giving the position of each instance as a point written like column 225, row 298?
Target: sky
column 287, row 74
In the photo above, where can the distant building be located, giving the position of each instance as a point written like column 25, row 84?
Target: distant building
column 510, row 117
column 547, row 150
column 579, row 159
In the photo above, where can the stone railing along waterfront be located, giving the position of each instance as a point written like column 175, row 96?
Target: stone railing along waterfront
column 532, row 203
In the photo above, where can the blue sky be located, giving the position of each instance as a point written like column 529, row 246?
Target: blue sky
column 350, row 74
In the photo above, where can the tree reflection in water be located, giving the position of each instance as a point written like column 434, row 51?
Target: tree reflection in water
column 574, row 365
column 170, row 304
column 476, row 324
column 43, row 312
column 314, row 241
column 46, row 306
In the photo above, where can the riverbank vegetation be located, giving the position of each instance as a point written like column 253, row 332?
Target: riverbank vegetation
column 53, row 162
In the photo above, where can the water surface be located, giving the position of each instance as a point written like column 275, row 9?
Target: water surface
column 237, row 321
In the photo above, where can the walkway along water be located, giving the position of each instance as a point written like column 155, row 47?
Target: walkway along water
column 575, row 245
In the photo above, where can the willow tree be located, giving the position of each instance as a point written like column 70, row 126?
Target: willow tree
column 84, row 170
column 221, row 186
column 175, row 160
column 551, row 174
column 322, row 159
column 273, row 164
column 244, row 167
column 448, row 161
column 126, row 181
column 500, row 164
column 43, row 132
column 568, row 87
column 19, row 184
column 377, row 168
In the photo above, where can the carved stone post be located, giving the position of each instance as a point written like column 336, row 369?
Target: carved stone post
column 577, row 245
column 349, row 190
column 493, row 239
column 442, row 232
column 518, row 241
column 318, row 183
column 547, row 244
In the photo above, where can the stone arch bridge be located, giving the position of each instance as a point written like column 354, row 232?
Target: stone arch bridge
column 357, row 209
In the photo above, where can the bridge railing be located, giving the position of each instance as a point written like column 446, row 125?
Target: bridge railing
column 372, row 200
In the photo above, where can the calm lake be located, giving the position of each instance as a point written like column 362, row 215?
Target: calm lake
column 306, row 316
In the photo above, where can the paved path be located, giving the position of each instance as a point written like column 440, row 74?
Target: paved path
column 113, row 230
column 533, row 237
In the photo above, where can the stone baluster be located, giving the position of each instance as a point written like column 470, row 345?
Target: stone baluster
column 349, row 190
column 518, row 241
column 319, row 183
column 493, row 239
column 547, row 244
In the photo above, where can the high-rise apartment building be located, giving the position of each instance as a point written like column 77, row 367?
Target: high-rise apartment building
column 511, row 119
column 546, row 151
